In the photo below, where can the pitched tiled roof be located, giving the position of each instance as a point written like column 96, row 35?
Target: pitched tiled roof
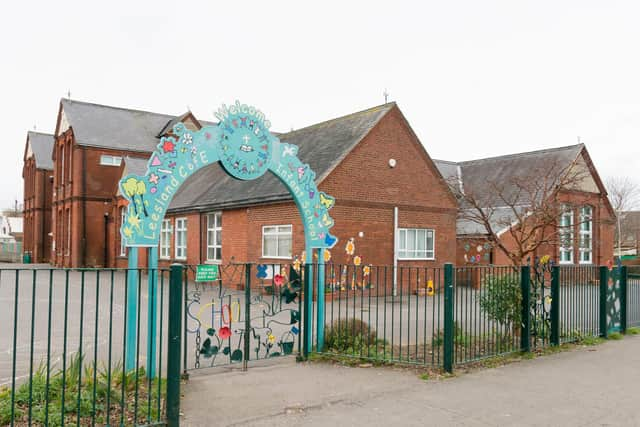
column 322, row 146
column 112, row 127
column 42, row 147
column 135, row 165
column 478, row 176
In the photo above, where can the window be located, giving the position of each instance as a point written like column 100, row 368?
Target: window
column 68, row 245
column 586, row 234
column 106, row 160
column 123, row 248
column 565, row 234
column 214, row 236
column 416, row 243
column 181, row 238
column 165, row 239
column 276, row 241
column 62, row 165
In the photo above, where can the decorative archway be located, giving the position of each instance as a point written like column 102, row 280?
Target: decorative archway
column 245, row 147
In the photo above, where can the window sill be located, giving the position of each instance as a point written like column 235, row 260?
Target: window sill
column 276, row 257
column 416, row 259
column 213, row 261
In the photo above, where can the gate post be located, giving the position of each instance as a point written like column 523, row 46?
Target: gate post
column 448, row 318
column 308, row 306
column 555, row 305
column 173, row 354
column 623, row 299
column 604, row 283
column 525, row 328
column 247, row 315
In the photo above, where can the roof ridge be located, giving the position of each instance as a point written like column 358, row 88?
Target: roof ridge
column 506, row 156
column 451, row 162
column 39, row 133
column 370, row 109
column 113, row 107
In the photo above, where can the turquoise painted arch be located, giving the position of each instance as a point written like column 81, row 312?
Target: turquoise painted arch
column 247, row 150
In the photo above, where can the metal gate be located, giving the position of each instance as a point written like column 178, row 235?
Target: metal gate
column 614, row 300
column 251, row 312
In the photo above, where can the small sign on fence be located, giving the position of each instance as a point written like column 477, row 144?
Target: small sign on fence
column 207, row 273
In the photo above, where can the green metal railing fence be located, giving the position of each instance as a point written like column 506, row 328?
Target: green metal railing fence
column 633, row 296
column 451, row 316
column 63, row 330
column 382, row 313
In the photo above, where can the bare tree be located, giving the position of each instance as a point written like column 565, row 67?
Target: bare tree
column 526, row 208
column 624, row 194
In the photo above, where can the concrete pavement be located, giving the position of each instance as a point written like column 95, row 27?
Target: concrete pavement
column 591, row 386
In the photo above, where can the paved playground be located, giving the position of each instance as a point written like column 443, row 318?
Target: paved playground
column 590, row 386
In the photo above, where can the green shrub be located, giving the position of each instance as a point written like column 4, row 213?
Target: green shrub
column 349, row 336
column 501, row 300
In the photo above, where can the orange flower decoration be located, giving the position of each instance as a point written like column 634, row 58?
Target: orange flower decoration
column 366, row 270
column 351, row 247
column 357, row 261
column 327, row 255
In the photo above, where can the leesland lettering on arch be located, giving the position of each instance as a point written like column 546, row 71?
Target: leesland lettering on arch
column 246, row 149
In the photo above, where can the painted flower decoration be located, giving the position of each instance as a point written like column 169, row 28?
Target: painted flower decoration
column 224, row 332
column 545, row 259
column 366, row 270
column 188, row 139
column 547, row 300
column 278, row 280
column 303, row 257
column 296, row 264
column 351, row 247
column 327, row 255
column 271, row 338
column 168, row 146
column 153, row 178
column 357, row 261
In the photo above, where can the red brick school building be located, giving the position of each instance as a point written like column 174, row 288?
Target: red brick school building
column 392, row 200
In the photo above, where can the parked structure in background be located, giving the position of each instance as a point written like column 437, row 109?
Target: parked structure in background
column 392, row 201
column 37, row 174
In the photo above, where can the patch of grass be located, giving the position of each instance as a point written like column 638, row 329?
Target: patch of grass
column 591, row 341
column 79, row 396
column 425, row 376
column 615, row 336
column 633, row 331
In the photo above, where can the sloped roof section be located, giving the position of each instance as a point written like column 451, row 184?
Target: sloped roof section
column 135, row 165
column 480, row 176
column 98, row 125
column 323, row 146
column 42, row 147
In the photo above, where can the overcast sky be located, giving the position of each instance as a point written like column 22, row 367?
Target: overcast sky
column 474, row 78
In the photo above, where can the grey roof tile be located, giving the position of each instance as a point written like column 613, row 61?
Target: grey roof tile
column 112, row 127
column 322, row 146
column 478, row 177
column 42, row 147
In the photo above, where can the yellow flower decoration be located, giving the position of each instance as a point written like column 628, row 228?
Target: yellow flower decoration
column 366, row 270
column 351, row 247
column 327, row 255
column 357, row 261
column 127, row 232
column 545, row 259
column 271, row 338
column 134, row 220
column 296, row 264
column 303, row 257
column 548, row 300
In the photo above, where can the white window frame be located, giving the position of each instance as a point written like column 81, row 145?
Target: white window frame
column 216, row 229
column 181, row 227
column 585, row 219
column 564, row 232
column 165, row 239
column 277, row 234
column 109, row 160
column 123, row 248
column 429, row 253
